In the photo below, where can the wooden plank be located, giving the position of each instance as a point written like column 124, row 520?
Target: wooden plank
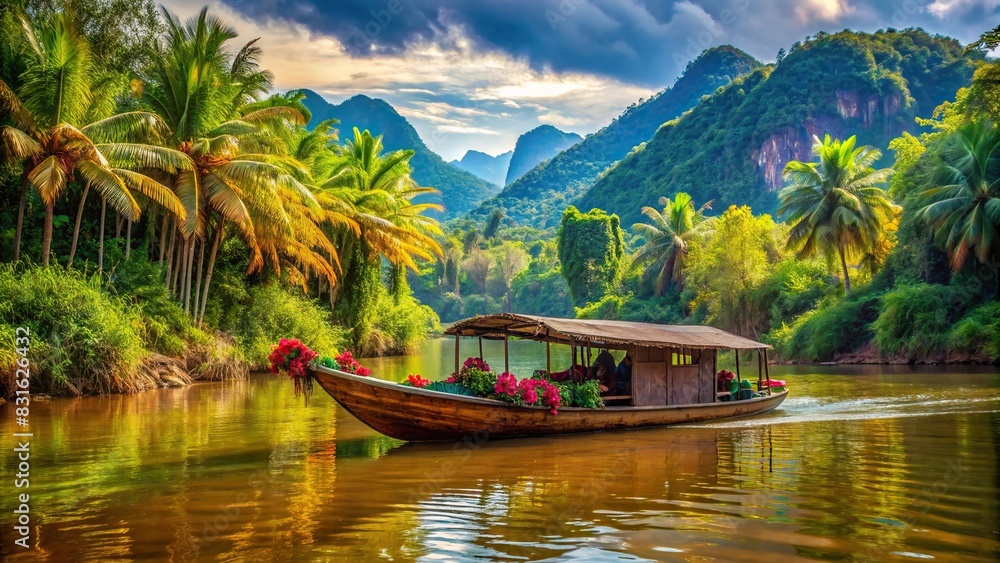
column 683, row 385
column 649, row 383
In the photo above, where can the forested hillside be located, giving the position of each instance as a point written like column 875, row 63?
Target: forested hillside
column 547, row 189
column 732, row 147
column 461, row 191
column 537, row 146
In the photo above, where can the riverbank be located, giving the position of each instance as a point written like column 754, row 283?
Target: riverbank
column 122, row 334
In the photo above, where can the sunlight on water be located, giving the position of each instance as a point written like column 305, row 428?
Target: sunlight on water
column 859, row 463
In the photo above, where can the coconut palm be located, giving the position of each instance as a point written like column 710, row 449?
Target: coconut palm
column 835, row 204
column 382, row 194
column 667, row 236
column 62, row 129
column 963, row 206
column 207, row 93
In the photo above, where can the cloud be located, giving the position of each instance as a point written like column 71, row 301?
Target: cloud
column 467, row 130
column 823, row 10
column 417, row 91
column 506, row 67
column 968, row 11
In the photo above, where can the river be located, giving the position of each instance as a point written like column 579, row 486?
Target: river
column 859, row 463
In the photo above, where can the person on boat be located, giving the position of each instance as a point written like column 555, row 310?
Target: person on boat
column 623, row 373
column 575, row 373
column 603, row 370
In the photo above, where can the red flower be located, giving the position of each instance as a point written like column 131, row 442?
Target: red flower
column 346, row 362
column 292, row 356
column 417, row 381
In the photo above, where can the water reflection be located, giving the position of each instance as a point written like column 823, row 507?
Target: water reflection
column 865, row 466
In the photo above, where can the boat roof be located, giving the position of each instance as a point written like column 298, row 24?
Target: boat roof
column 601, row 332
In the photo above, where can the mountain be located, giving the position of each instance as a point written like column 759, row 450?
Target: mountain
column 460, row 190
column 542, row 193
column 493, row 169
column 733, row 147
column 536, row 146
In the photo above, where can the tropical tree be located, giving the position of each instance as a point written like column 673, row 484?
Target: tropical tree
column 208, row 96
column 591, row 247
column 667, row 235
column 835, row 204
column 63, row 129
column 963, row 206
column 389, row 225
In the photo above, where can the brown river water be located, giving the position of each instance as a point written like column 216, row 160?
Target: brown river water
column 859, row 463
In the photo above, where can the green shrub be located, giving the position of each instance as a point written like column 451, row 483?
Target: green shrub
column 978, row 332
column 274, row 313
column 165, row 327
column 479, row 304
column 608, row 308
column 819, row 335
column 916, row 319
column 83, row 340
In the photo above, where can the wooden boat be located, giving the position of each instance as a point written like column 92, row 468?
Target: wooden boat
column 673, row 382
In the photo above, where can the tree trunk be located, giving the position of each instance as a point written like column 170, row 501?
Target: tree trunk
column 20, row 218
column 843, row 263
column 170, row 257
column 128, row 239
column 186, row 276
column 220, row 230
column 118, row 224
column 100, row 238
column 76, row 227
column 197, row 277
column 47, row 233
column 163, row 234
column 178, row 265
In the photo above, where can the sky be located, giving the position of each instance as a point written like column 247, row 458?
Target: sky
column 475, row 74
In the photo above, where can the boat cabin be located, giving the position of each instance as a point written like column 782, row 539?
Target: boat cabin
column 671, row 364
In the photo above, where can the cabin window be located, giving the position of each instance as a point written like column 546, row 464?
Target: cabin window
column 685, row 357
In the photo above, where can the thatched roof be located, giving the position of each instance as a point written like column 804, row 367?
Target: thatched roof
column 600, row 332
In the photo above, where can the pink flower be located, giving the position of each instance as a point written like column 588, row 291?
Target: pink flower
column 451, row 379
column 550, row 396
column 506, row 384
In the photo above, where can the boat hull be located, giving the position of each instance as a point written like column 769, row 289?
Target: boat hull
column 419, row 415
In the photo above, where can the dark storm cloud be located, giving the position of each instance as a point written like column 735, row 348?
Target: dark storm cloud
column 638, row 41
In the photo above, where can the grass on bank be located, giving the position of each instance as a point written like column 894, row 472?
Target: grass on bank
column 122, row 332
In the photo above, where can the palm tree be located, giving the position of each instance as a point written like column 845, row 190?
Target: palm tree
column 61, row 130
column 667, row 238
column 389, row 224
column 207, row 94
column 963, row 206
column 835, row 204
column 382, row 191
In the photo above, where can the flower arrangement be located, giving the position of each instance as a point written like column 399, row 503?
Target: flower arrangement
column 476, row 375
column 476, row 380
column 526, row 391
column 293, row 357
column 416, row 380
column 346, row 362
